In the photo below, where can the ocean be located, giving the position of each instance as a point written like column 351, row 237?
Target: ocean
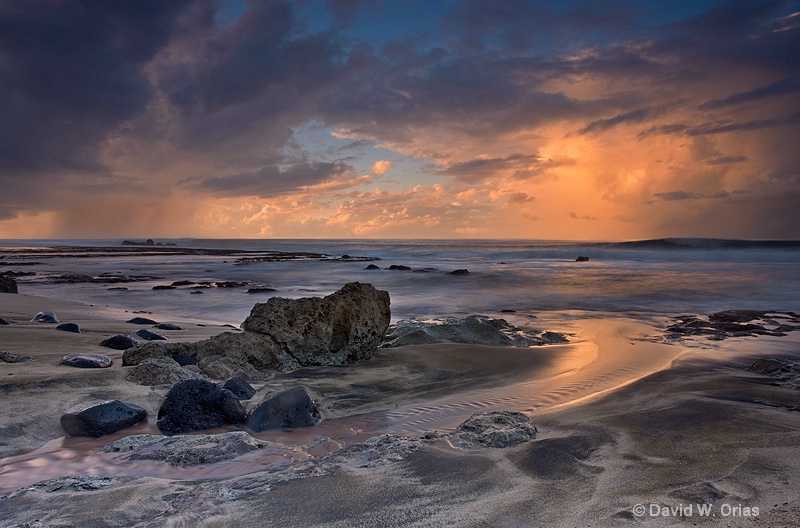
column 661, row 277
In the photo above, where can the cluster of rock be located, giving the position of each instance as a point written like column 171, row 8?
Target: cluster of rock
column 148, row 242
column 472, row 329
column 736, row 323
column 286, row 334
column 402, row 267
column 786, row 371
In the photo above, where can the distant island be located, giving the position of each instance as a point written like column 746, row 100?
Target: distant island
column 148, row 242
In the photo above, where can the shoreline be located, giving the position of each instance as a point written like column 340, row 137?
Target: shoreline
column 607, row 419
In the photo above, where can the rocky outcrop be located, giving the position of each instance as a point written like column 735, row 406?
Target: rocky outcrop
column 8, row 285
column 286, row 334
column 472, row 329
column 194, row 405
column 289, row 409
column 186, row 450
column 735, row 323
column 101, row 418
column 86, row 361
column 160, row 371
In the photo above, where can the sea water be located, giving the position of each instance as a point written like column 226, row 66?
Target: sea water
column 659, row 277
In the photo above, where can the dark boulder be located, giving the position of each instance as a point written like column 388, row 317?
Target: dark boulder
column 45, row 317
column 86, row 361
column 240, row 388
column 372, row 267
column 286, row 410
column 69, row 327
column 141, row 321
column 164, row 287
column 194, row 405
column 168, row 326
column 4, row 322
column 399, row 267
column 119, row 342
column 8, row 285
column 102, row 418
column 260, row 290
column 149, row 335
column 460, row 272
column 582, row 259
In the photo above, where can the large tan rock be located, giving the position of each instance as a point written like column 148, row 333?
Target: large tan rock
column 286, row 334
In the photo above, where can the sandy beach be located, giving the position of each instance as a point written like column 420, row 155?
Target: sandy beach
column 632, row 428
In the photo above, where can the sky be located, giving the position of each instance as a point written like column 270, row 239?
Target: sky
column 569, row 120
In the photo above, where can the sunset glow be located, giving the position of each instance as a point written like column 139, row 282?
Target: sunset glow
column 359, row 118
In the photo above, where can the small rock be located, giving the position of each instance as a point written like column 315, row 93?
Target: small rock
column 494, row 429
column 286, row 410
column 460, row 272
column 141, row 321
column 45, row 317
column 86, row 361
column 101, row 419
column 3, row 322
column 120, row 342
column 398, row 267
column 69, row 327
column 194, row 405
column 149, row 335
column 372, row 267
column 168, row 326
column 196, row 292
column 164, row 287
column 582, row 259
column 240, row 388
column 261, row 290
column 8, row 357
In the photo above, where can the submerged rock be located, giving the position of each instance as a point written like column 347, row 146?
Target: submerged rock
column 194, row 405
column 141, row 321
column 240, row 388
column 786, row 371
column 735, row 323
column 120, row 342
column 4, row 322
column 494, row 429
column 187, row 450
column 45, row 317
column 69, row 327
column 472, row 329
column 285, row 334
column 86, row 361
column 286, row 410
column 102, row 418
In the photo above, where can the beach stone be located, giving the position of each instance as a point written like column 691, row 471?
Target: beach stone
column 119, row 342
column 8, row 285
column 149, row 335
column 289, row 409
column 8, row 357
column 187, row 450
column 69, row 327
column 45, row 317
column 347, row 325
column 494, row 429
column 168, row 326
column 160, row 371
column 460, row 272
column 102, row 418
column 141, row 321
column 194, row 405
column 4, row 322
column 240, row 388
column 86, row 361
column 372, row 267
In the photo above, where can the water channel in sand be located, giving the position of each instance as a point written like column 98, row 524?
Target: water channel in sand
column 610, row 354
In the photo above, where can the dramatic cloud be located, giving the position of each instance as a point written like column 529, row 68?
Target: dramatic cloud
column 500, row 118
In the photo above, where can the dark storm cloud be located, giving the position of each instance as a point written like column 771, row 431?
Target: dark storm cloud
column 70, row 72
column 634, row 116
column 273, row 180
column 784, row 86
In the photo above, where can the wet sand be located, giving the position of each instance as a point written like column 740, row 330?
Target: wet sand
column 623, row 421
